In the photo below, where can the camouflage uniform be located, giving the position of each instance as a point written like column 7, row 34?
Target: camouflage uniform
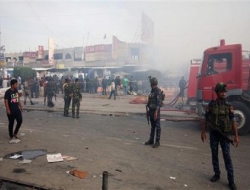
column 77, row 96
column 220, row 115
column 50, row 91
column 67, row 98
column 27, row 92
column 153, row 104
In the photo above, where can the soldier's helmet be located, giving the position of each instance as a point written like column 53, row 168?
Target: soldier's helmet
column 220, row 87
column 153, row 81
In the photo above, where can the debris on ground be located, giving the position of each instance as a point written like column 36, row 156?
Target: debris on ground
column 68, row 158
column 16, row 156
column 54, row 157
column 79, row 173
column 172, row 177
column 25, row 161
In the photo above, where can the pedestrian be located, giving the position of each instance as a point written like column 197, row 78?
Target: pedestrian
column 112, row 86
column 27, row 91
column 220, row 119
column 117, row 85
column 153, row 112
column 67, row 97
column 76, row 98
column 125, row 85
column 104, row 86
column 13, row 109
column 182, row 85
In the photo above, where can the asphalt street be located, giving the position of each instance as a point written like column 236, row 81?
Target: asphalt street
column 115, row 144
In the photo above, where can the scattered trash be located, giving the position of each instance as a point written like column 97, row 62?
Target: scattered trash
column 68, row 158
column 54, row 157
column 14, row 141
column 67, row 172
column 24, row 161
column 93, row 176
column 172, row 177
column 19, row 170
column 100, row 176
column 185, row 185
column 16, row 156
column 1, row 123
column 22, row 134
column 185, row 135
column 78, row 173
column 136, row 138
column 1, row 159
column 118, row 170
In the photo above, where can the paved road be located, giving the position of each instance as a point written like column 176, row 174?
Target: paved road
column 106, row 143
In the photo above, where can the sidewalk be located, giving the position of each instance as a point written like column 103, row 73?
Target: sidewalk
column 100, row 104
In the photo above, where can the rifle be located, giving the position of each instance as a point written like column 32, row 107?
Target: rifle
column 147, row 114
column 221, row 133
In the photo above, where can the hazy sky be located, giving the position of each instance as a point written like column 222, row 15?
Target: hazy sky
column 183, row 29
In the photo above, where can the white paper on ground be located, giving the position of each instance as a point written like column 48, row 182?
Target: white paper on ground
column 54, row 157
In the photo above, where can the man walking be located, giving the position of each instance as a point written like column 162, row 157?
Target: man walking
column 104, row 86
column 153, row 111
column 219, row 117
column 125, row 85
column 27, row 91
column 67, row 97
column 77, row 97
column 13, row 109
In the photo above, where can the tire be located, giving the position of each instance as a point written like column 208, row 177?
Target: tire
column 241, row 112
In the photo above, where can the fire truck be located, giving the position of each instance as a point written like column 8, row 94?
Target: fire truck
column 231, row 65
column 192, row 82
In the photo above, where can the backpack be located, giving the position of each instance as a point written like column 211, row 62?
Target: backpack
column 162, row 98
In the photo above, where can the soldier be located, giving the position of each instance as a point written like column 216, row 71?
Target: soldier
column 153, row 105
column 50, row 91
column 219, row 117
column 27, row 91
column 77, row 97
column 67, row 97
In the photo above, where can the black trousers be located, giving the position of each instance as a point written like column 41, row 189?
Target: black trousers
column 19, row 119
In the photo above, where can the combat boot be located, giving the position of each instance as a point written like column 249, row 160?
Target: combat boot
column 232, row 186
column 157, row 143
column 215, row 178
column 149, row 142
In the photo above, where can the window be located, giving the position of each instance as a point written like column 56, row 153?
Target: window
column 219, row 63
column 68, row 56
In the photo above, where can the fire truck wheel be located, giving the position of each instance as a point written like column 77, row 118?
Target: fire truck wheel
column 241, row 112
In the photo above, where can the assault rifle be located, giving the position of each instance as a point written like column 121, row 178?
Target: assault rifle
column 225, row 136
column 147, row 114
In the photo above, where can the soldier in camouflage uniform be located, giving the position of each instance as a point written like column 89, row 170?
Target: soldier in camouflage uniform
column 27, row 91
column 219, row 117
column 67, row 97
column 50, row 91
column 153, row 105
column 76, row 97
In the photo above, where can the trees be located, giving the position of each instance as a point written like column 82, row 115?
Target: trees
column 23, row 72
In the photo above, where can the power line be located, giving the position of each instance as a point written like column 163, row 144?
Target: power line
column 45, row 24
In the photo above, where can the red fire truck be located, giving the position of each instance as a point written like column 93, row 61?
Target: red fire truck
column 192, row 82
column 231, row 65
